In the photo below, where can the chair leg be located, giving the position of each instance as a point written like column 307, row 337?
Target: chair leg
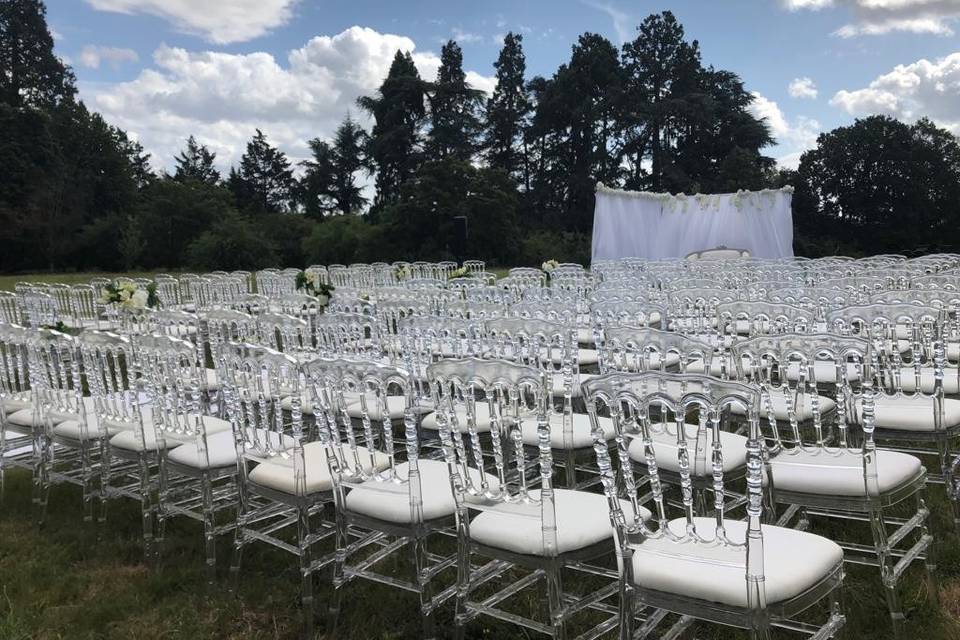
column 887, row 561
column 555, row 601
column 239, row 536
column 463, row 583
column 147, row 510
column 209, row 527
column 570, row 464
column 306, row 569
column 930, row 559
column 627, row 604
column 87, row 471
column 418, row 553
column 337, row 569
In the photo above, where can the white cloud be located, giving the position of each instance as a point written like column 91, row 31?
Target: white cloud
column 92, row 55
column 219, row 21
column 911, row 91
column 465, row 37
column 793, row 137
column 56, row 35
column 621, row 20
column 222, row 97
column 877, row 17
column 803, row 88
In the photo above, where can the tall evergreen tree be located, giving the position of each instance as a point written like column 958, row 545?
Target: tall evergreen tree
column 30, row 73
column 315, row 188
column 349, row 142
column 195, row 162
column 264, row 182
column 398, row 111
column 508, row 110
column 454, row 109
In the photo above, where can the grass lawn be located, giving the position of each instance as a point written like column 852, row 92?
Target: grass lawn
column 67, row 580
column 7, row 282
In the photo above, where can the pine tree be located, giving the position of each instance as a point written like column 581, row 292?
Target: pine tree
column 30, row 73
column 196, row 163
column 398, row 111
column 454, row 109
column 508, row 110
column 264, row 182
column 315, row 189
column 349, row 142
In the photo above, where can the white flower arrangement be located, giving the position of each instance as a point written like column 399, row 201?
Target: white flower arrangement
column 401, row 273
column 462, row 272
column 130, row 296
column 550, row 265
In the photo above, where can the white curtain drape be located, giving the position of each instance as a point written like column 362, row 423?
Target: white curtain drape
column 634, row 224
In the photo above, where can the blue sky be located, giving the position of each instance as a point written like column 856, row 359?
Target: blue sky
column 163, row 69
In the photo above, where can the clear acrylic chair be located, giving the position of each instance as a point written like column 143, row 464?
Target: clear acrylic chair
column 822, row 466
column 16, row 443
column 529, row 531
column 708, row 568
column 911, row 413
column 388, row 499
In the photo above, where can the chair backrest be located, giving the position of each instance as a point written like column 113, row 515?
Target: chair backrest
column 515, row 396
column 645, row 349
column 14, row 366
column 109, row 362
column 755, row 318
column 9, row 308
column 641, row 403
column 799, row 368
column 348, row 334
column 285, row 333
column 256, row 380
column 360, row 443
column 617, row 313
column 55, row 376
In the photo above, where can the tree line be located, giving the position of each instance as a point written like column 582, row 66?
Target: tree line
column 517, row 168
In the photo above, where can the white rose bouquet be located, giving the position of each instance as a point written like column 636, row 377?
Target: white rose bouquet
column 549, row 266
column 310, row 283
column 462, row 272
column 130, row 296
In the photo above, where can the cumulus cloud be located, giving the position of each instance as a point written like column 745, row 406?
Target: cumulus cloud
column 793, row 137
column 219, row 21
column 222, row 97
column 93, row 55
column 910, row 91
column 803, row 88
column 877, row 17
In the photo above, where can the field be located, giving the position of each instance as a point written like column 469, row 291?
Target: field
column 76, row 581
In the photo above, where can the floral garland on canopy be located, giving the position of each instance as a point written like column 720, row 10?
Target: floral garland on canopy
column 310, row 283
column 130, row 296
column 704, row 200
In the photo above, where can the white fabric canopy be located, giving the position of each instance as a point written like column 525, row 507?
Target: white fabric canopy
column 635, row 224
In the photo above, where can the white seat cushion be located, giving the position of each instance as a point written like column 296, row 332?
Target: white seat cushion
column 586, row 357
column 131, row 441
column 221, row 452
column 716, row 367
column 71, row 429
column 839, row 471
column 911, row 414
column 395, row 408
column 665, row 448
column 390, row 501
column 804, row 411
column 582, row 520
column 793, row 562
column 14, row 403
column 585, row 335
column 278, row 473
column 575, row 390
column 306, row 405
column 580, row 439
column 482, row 419
column 908, row 380
column 210, row 381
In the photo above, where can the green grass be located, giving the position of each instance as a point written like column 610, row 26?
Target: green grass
column 69, row 580
column 7, row 283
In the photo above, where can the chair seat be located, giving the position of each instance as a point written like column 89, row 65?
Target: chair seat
column 911, row 414
column 12, row 403
column 839, row 472
column 575, row 390
column 581, row 438
column 585, row 335
column 908, row 380
column 390, row 501
column 666, row 450
column 131, row 441
column 72, row 429
column 778, row 403
column 395, row 408
column 582, row 520
column 221, row 452
column 278, row 473
column 794, row 561
column 482, row 419
column 210, row 381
